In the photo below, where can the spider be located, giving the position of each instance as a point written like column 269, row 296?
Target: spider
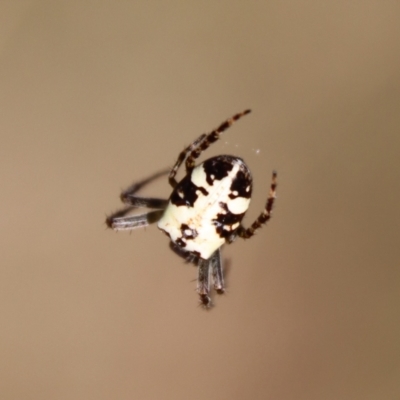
column 204, row 211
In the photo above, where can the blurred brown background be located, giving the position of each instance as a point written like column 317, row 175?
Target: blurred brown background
column 95, row 95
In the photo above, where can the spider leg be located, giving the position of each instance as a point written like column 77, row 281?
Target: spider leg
column 149, row 202
column 212, row 137
column 186, row 255
column 119, row 222
column 128, row 195
column 203, row 282
column 205, row 268
column 183, row 154
column 264, row 217
column 217, row 272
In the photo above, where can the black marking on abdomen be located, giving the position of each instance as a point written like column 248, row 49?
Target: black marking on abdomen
column 185, row 193
column 188, row 233
column 180, row 242
column 217, row 168
column 226, row 220
column 239, row 185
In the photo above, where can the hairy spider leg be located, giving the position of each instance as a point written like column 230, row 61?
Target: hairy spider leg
column 182, row 156
column 212, row 137
column 118, row 220
column 265, row 215
column 203, row 282
column 217, row 272
column 193, row 151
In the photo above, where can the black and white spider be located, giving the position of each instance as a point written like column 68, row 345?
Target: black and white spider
column 204, row 211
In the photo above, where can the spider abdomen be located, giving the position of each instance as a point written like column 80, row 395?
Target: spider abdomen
column 207, row 205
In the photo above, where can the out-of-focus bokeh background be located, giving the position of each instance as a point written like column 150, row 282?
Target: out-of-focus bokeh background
column 96, row 95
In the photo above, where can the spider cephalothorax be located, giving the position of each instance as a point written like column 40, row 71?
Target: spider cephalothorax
column 204, row 211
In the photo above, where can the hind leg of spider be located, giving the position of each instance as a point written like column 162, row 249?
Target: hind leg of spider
column 182, row 156
column 128, row 195
column 212, row 137
column 188, row 256
column 217, row 272
column 147, row 202
column 203, row 282
column 120, row 222
column 265, row 216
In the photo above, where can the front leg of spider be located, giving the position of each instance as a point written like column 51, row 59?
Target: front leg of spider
column 205, row 209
